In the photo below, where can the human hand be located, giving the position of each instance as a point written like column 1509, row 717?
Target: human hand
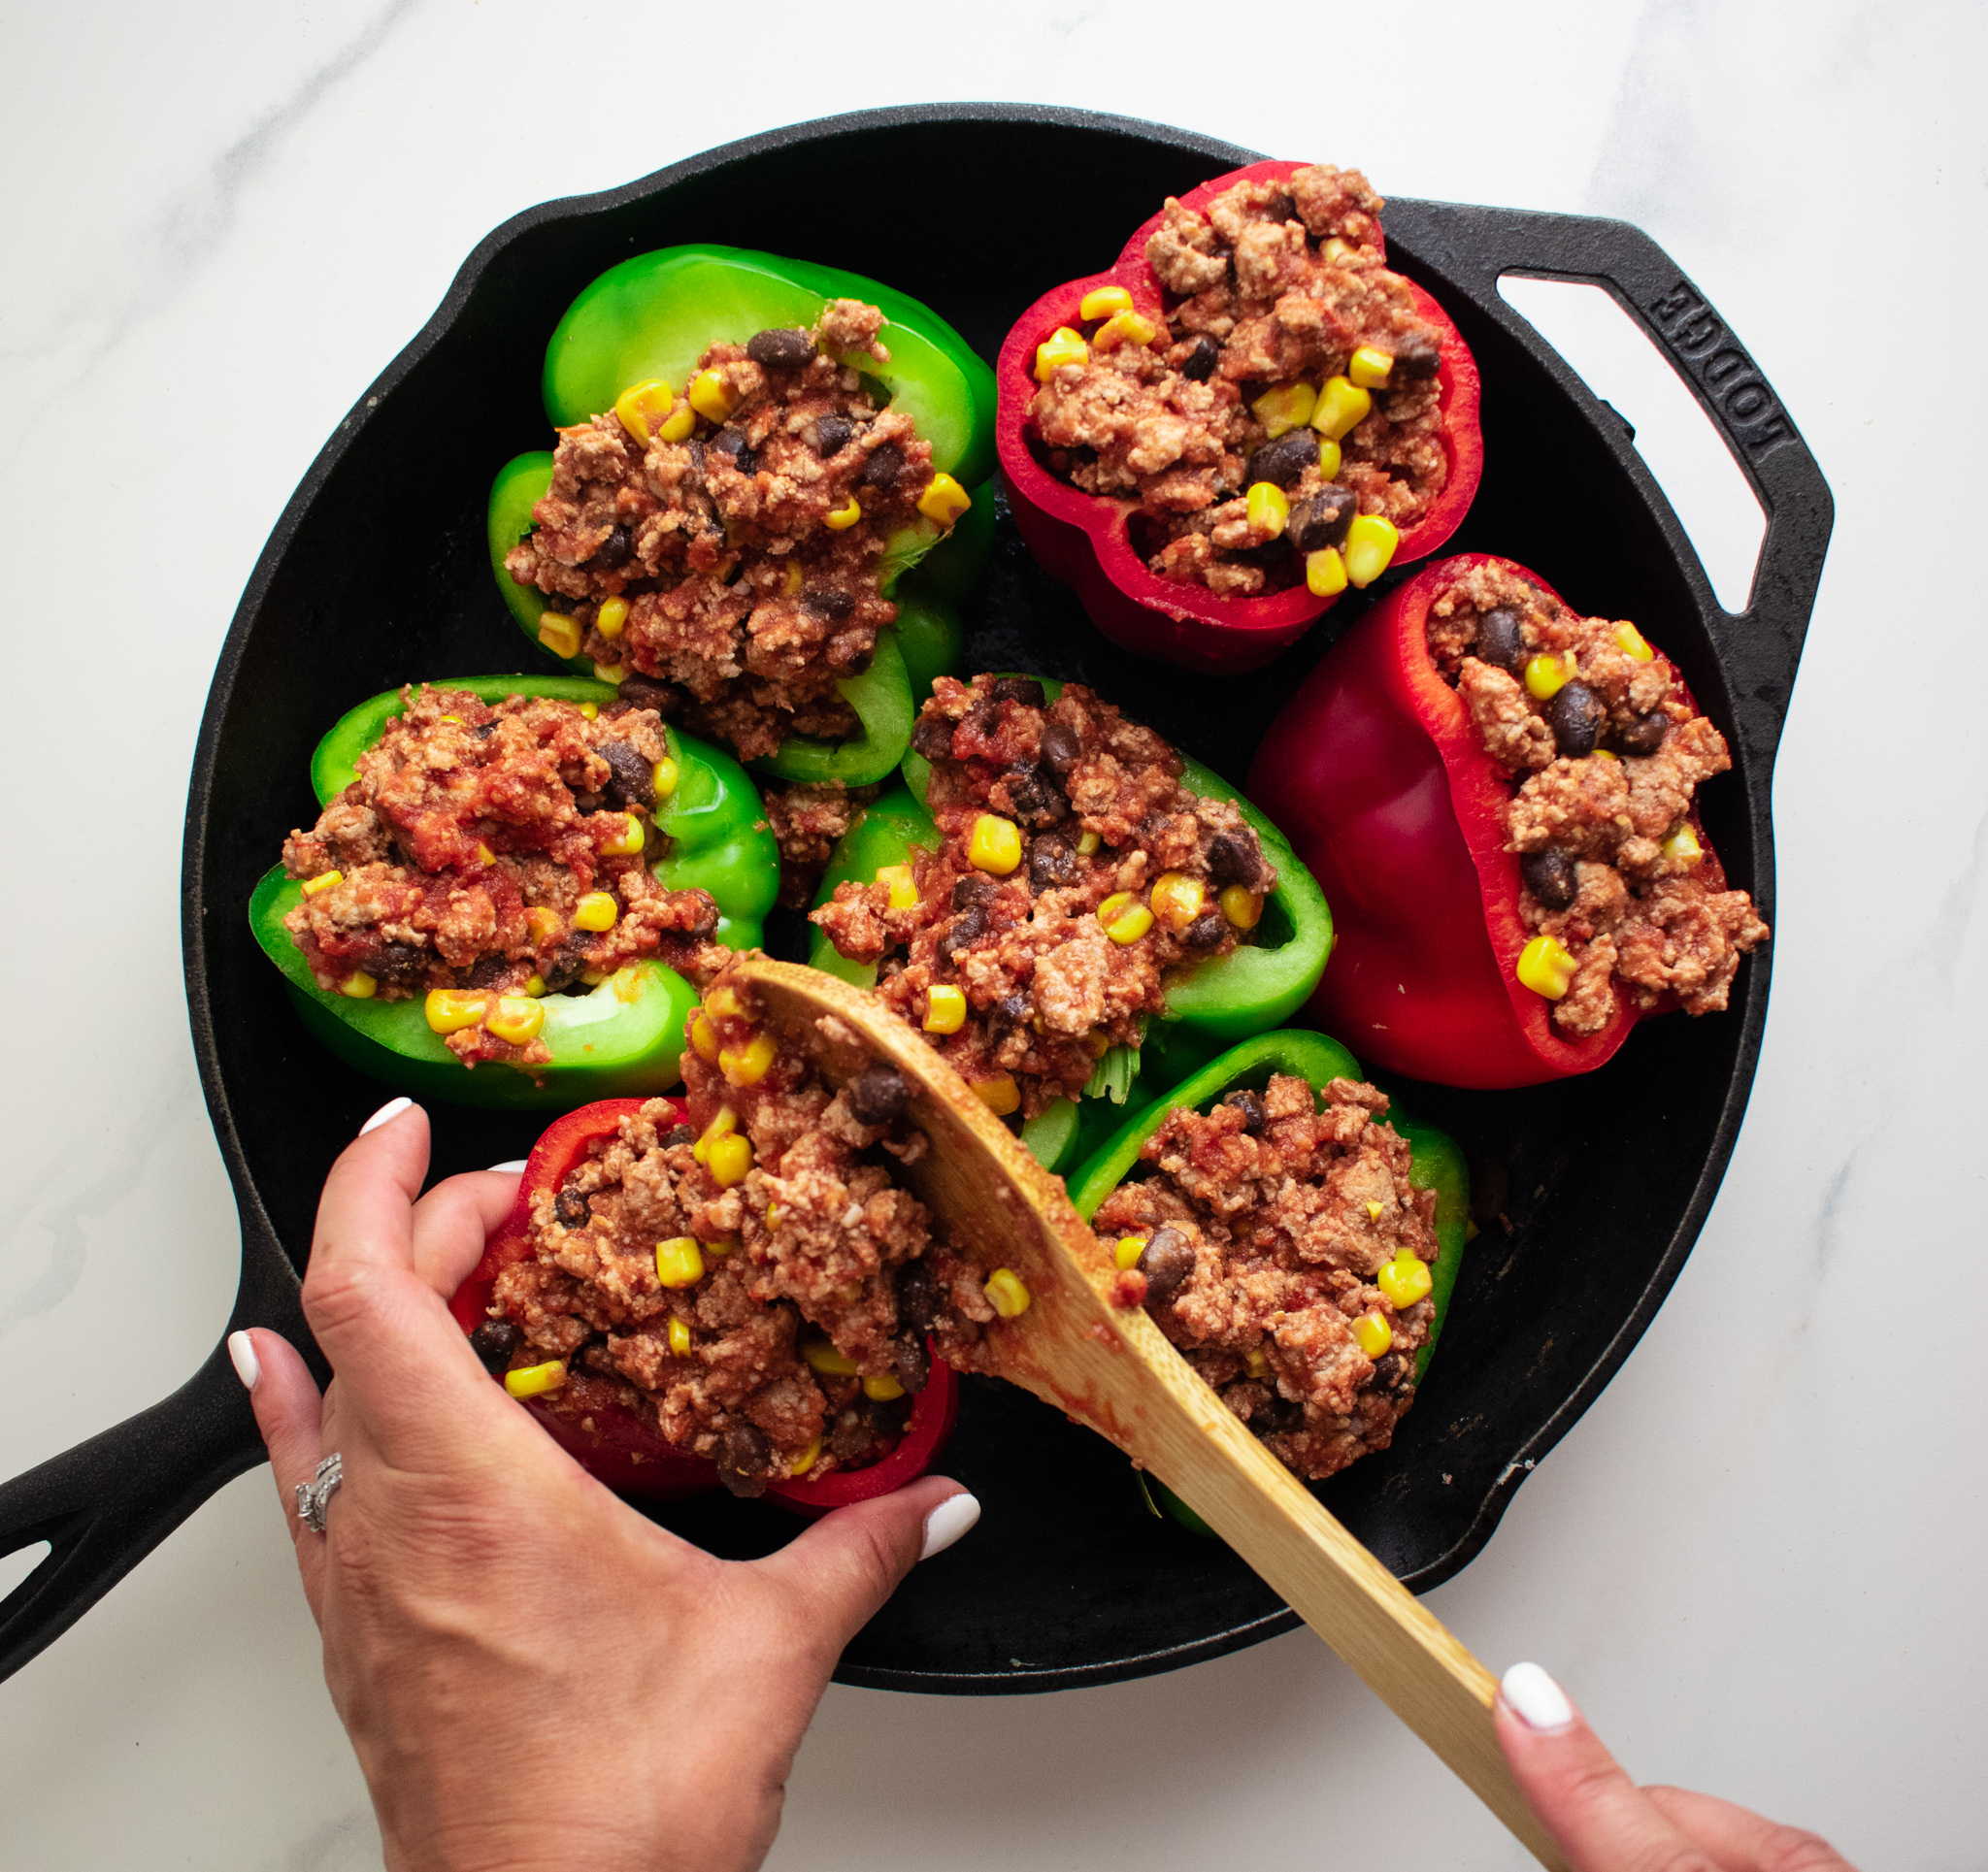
column 531, row 1673
column 1604, row 1823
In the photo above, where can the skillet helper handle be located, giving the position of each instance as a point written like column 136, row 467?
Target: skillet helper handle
column 1760, row 646
column 107, row 1503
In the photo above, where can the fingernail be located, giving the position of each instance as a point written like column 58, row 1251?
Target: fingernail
column 248, row 1366
column 948, row 1522
column 385, row 1115
column 1535, row 1699
column 514, row 1163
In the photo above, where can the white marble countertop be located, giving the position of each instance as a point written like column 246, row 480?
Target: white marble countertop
column 1750, row 1560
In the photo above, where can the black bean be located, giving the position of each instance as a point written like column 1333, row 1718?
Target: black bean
column 983, row 717
column 1254, row 1117
column 1550, row 877
column 831, row 434
column 565, row 968
column 1280, row 208
column 852, row 1434
column 1038, row 799
column 1395, row 1372
column 493, row 1343
column 920, row 1303
column 678, row 1134
column 744, row 1458
column 878, row 1094
column 966, row 931
column 1199, row 365
column 831, row 601
column 1416, row 358
column 483, row 729
column 780, row 350
column 1025, row 690
column 633, row 781
column 1501, row 641
column 1010, row 1010
column 889, row 1414
column 613, row 550
column 885, row 465
column 399, row 965
column 1490, row 1190
column 1645, row 734
column 912, row 1361
column 487, row 971
column 976, row 887
column 570, row 1209
column 1285, row 460
column 1280, row 1413
column 1053, row 864
column 1061, row 747
column 707, row 917
column 645, row 692
column 1575, row 715
column 1234, row 858
column 1322, row 519
column 732, row 444
column 1206, row 931
column 933, row 738
column 1166, row 1261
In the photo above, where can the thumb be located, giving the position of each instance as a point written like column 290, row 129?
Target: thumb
column 839, row 1572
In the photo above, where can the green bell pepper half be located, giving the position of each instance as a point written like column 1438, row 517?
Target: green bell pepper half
column 653, row 317
column 623, row 1040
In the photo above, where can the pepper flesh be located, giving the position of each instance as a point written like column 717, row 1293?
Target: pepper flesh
column 1376, row 771
column 627, row 1036
column 1085, row 540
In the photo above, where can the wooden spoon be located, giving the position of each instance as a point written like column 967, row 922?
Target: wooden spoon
column 1111, row 1369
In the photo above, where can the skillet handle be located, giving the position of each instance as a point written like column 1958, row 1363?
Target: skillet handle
column 1470, row 247
column 107, row 1503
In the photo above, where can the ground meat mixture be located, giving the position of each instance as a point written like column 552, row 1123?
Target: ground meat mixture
column 729, row 567
column 1076, row 877
column 460, row 856
column 807, row 819
column 751, row 1282
column 1269, row 1227
column 1269, row 296
column 1605, row 766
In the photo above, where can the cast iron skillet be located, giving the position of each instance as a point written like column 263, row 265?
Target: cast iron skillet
column 377, row 574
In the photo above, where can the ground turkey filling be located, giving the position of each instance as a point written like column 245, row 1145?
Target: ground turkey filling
column 1277, row 286
column 732, row 570
column 460, row 856
column 1077, row 876
column 1602, row 818
column 807, row 818
column 791, row 1333
column 1266, row 1223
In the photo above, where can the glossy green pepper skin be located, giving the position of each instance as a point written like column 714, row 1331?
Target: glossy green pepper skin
column 1255, row 986
column 625, row 1038
column 653, row 317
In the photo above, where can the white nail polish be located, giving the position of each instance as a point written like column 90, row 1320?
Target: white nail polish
column 1535, row 1699
column 515, row 1164
column 948, row 1522
column 385, row 1115
column 248, row 1366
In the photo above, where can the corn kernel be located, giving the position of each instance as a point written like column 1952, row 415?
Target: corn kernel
column 1630, row 640
column 1255, row 1362
column 596, row 911
column 1406, row 1279
column 542, row 924
column 484, row 855
column 899, row 882
column 451, row 1009
column 680, row 1336
column 1374, row 1334
column 534, row 986
column 517, row 1019
column 722, row 1126
column 747, row 1064
column 1268, row 508
column 1374, row 1211
column 1341, row 408
column 945, row 500
column 559, row 633
column 679, row 1260
column 592, row 710
column 610, row 672
column 630, row 840
column 704, row 1038
column 1088, row 844
column 612, row 619
column 1338, row 252
column 1607, row 754
column 1004, row 1287
column 1000, row 1095
column 528, row 1381
column 643, row 406
column 1128, row 1251
column 721, row 1247
column 1371, row 542
column 358, row 986
column 663, row 776
column 593, row 977
column 994, row 845
column 323, row 882
column 680, row 421
column 808, row 1457
column 1062, row 346
column 1124, row 917
column 1325, row 572
column 1101, row 302
column 1681, row 847
column 729, row 1159
column 1547, row 675
column 1178, row 899
column 1285, row 406
column 724, row 1003
column 1124, row 328
column 712, row 397
column 1369, row 367
column 945, row 1009
column 1545, row 968
column 1097, row 1043
column 772, row 1215
column 1241, row 905
column 880, row 1390
column 823, row 1356
column 847, row 515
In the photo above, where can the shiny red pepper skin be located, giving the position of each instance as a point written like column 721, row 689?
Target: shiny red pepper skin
column 622, row 1450
column 1375, row 773
column 1083, row 539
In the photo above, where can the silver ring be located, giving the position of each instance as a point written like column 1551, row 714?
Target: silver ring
column 313, row 1496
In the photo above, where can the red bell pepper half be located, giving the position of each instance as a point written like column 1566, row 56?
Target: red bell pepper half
column 1375, row 773
column 622, row 1450
column 1084, row 540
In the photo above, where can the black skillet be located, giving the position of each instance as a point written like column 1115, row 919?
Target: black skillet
column 376, row 573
